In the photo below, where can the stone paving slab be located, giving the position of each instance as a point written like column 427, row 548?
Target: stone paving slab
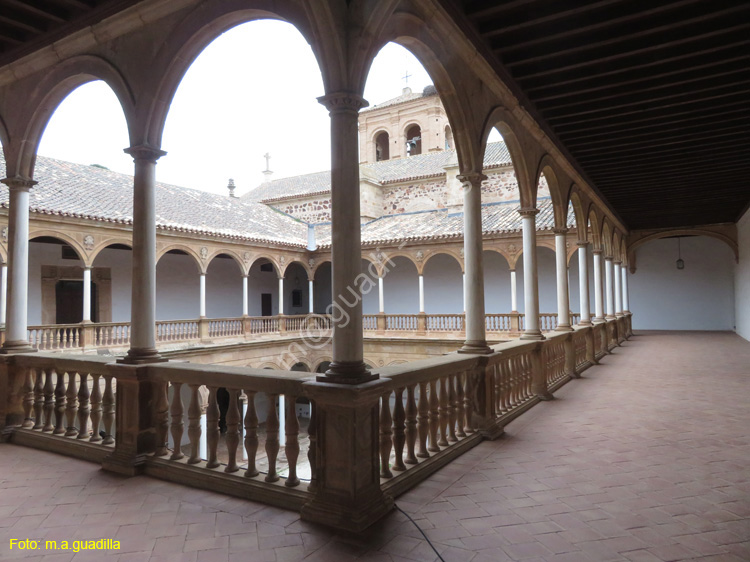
column 646, row 458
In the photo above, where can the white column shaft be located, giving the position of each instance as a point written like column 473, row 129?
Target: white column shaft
column 421, row 293
column 311, row 305
column 513, row 292
column 281, row 295
column 203, row 295
column 463, row 290
column 18, row 266
column 245, row 295
column 618, row 289
column 583, row 283
column 609, row 290
column 561, row 261
column 86, row 316
column 625, row 299
column 473, row 265
column 530, row 280
column 381, row 295
column 598, row 289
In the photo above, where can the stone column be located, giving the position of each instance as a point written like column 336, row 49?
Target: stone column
column 618, row 289
column 202, row 297
column 281, row 296
column 625, row 299
column 3, row 291
column 608, row 287
column 86, row 315
column 346, row 252
column 245, row 296
column 476, row 340
column 143, row 301
column 598, row 291
column 530, row 280
column 583, row 282
column 421, row 293
column 18, row 266
column 311, row 305
column 513, row 292
column 463, row 290
column 563, row 299
column 381, row 295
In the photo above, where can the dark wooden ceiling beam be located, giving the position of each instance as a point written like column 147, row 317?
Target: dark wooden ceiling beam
column 53, row 16
column 602, row 171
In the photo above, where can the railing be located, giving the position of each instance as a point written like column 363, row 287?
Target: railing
column 59, row 336
column 296, row 323
column 112, row 334
column 369, row 322
column 164, row 419
column 177, row 330
column 401, row 322
column 575, row 318
column 225, row 327
column 547, row 321
column 444, row 322
column 263, row 324
column 498, row 322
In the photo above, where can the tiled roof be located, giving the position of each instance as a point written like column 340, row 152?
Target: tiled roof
column 431, row 164
column 496, row 218
column 90, row 192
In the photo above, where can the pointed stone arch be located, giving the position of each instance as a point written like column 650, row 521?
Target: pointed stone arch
column 595, row 228
column 558, row 185
column 607, row 238
column 579, row 209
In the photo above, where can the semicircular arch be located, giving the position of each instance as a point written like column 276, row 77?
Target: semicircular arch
column 232, row 254
column 63, row 237
column 181, row 248
column 682, row 232
column 104, row 244
column 446, row 252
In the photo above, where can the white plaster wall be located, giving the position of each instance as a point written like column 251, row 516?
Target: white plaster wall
column 295, row 278
column 119, row 262
column 260, row 282
column 443, row 286
column 546, row 274
column 574, row 285
column 400, row 288
column 223, row 289
column 699, row 297
column 322, row 295
column 177, row 288
column 369, row 288
column 742, row 278
column 496, row 283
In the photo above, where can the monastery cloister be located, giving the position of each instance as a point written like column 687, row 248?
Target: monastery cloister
column 387, row 361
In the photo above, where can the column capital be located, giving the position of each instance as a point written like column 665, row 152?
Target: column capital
column 473, row 178
column 582, row 243
column 144, row 152
column 528, row 211
column 617, row 262
column 342, row 102
column 597, row 251
column 18, row 183
column 563, row 230
column 608, row 258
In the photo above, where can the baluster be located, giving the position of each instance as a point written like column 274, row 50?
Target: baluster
column 460, row 410
column 312, row 432
column 411, row 425
column 162, row 417
column 434, row 418
column 399, row 436
column 108, row 411
column 96, row 409
column 251, row 434
column 39, row 399
column 71, row 409
column 177, row 426
column 194, row 424
column 385, row 435
column 443, row 414
column 423, row 426
column 272, row 438
column 59, row 404
column 27, row 390
column 49, row 400
column 233, row 431
column 83, row 407
column 468, row 408
column 451, row 409
column 212, row 428
column 291, row 447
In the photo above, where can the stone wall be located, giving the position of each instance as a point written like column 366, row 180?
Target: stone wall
column 310, row 209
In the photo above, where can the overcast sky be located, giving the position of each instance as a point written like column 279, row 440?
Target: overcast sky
column 253, row 90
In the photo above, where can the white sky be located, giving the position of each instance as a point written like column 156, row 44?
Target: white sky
column 253, row 90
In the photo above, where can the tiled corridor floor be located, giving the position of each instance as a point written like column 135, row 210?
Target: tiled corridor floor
column 645, row 458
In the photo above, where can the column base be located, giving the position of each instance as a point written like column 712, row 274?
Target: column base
column 532, row 336
column 476, row 347
column 354, row 519
column 124, row 464
column 347, row 372
column 139, row 356
column 564, row 328
column 17, row 346
column 609, row 317
column 586, row 323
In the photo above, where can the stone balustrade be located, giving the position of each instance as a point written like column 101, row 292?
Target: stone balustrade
column 164, row 419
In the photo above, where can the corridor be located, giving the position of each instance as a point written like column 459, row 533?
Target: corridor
column 645, row 458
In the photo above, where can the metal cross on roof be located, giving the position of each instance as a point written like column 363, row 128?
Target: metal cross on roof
column 267, row 156
column 406, row 77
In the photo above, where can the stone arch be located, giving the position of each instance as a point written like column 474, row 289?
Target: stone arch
column 276, row 266
column 56, row 85
column 501, row 119
column 189, row 250
column 579, row 210
column 557, row 190
column 378, row 267
column 232, row 254
column 194, row 33
column 500, row 251
column 305, row 266
column 624, row 252
column 397, row 362
column 606, row 238
column 104, row 244
column 451, row 253
column 679, row 232
column 413, row 143
column 616, row 245
column 64, row 237
column 424, row 39
column 595, row 229
column 321, row 366
column 268, row 365
column 317, row 266
column 4, row 135
column 381, row 143
column 384, row 264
